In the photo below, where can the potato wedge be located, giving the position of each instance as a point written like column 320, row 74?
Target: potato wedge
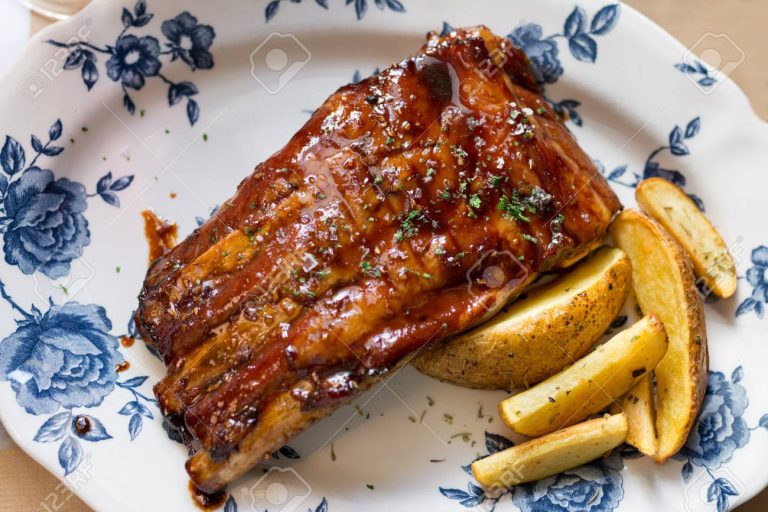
column 551, row 454
column 539, row 335
column 590, row 384
column 639, row 409
column 664, row 285
column 673, row 209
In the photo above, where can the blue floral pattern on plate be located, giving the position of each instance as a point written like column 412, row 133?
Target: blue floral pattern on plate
column 361, row 6
column 62, row 359
column 133, row 59
column 757, row 277
column 41, row 217
column 703, row 76
column 652, row 168
column 720, row 431
column 593, row 487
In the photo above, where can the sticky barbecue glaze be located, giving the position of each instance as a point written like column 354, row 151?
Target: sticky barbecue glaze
column 409, row 207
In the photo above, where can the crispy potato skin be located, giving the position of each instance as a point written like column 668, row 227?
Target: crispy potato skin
column 638, row 407
column 664, row 285
column 590, row 384
column 553, row 453
column 673, row 209
column 539, row 335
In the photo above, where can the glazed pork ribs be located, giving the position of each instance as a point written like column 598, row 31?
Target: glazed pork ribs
column 358, row 243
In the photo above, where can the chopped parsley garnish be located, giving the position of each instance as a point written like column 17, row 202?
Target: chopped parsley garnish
column 377, row 180
column 408, row 227
column 494, row 181
column 445, row 195
column 439, row 251
column 430, row 172
column 557, row 222
column 369, row 269
column 530, row 238
column 475, row 201
column 513, row 207
column 322, row 274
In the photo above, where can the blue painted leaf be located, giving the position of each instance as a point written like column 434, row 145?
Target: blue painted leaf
column 135, row 382
column 575, row 117
column 97, row 432
column 121, row 183
column 628, row 452
column 692, row 129
column 144, row 411
column 142, row 20
column 140, row 8
column 193, row 111
column 685, row 68
column 271, row 9
column 322, row 3
column 679, row 149
column 575, row 22
column 90, row 73
column 495, row 442
column 230, row 505
column 110, row 198
column 569, row 104
column 713, row 491
column 604, row 20
column 675, row 136
column 701, row 68
column 36, row 144
column 697, row 201
column 127, row 18
column 129, row 105
column 454, row 494
column 74, row 59
column 687, row 471
column 323, row 506
column 12, row 156
column 745, row 307
column 70, row 455
column 129, row 409
column 52, row 150
column 55, row 130
column 104, row 182
column 475, row 490
column 583, row 47
column 467, row 469
column 447, row 29
column 617, row 173
column 764, row 421
column 134, row 426
column 759, row 309
column 737, row 374
column 726, row 487
column 722, row 503
column 361, row 6
column 395, row 5
column 356, row 76
column 472, row 501
column 707, row 81
column 178, row 91
column 3, row 186
column 54, row 428
column 289, row 452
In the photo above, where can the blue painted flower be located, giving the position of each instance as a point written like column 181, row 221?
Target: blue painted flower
column 721, row 428
column 757, row 276
column 189, row 40
column 594, row 487
column 542, row 52
column 64, row 357
column 48, row 229
column 134, row 58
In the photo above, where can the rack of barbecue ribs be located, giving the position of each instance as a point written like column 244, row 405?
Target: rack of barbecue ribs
column 369, row 235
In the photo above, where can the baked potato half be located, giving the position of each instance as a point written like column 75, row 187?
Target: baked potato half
column 591, row 384
column 673, row 209
column 539, row 335
column 551, row 454
column 664, row 285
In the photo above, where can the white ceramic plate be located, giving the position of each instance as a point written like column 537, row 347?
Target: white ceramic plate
column 170, row 104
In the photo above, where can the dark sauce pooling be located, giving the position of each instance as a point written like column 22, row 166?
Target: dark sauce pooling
column 205, row 501
column 127, row 341
column 82, row 425
column 161, row 234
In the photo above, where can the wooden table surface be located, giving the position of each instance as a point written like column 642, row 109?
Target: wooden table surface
column 24, row 485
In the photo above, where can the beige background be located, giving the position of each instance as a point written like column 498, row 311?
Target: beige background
column 24, row 485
